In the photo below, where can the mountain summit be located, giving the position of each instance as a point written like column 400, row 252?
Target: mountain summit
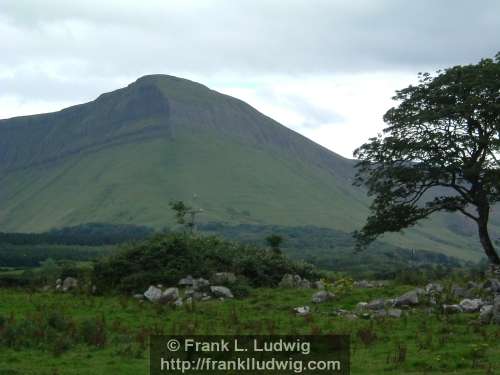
column 122, row 157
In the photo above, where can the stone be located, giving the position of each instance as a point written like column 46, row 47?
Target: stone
column 485, row 314
column 495, row 313
column 186, row 281
column 302, row 310
column 206, row 298
column 408, row 299
column 452, row 309
column 351, row 316
column 138, row 296
column 201, row 284
column 178, row 302
column 305, row 284
column 394, row 313
column 69, row 283
column 379, row 314
column 223, row 278
column 492, row 285
column 471, row 305
column 433, row 288
column 290, row 281
column 221, row 291
column 153, row 294
column 376, row 304
column 322, row 296
column 361, row 306
column 169, row 295
column 363, row 284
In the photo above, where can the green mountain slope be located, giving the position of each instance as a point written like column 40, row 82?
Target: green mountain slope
column 124, row 156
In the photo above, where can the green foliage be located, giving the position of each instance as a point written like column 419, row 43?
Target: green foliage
column 89, row 234
column 340, row 286
column 167, row 258
column 440, row 152
column 274, row 241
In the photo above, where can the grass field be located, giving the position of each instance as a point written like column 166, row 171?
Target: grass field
column 432, row 343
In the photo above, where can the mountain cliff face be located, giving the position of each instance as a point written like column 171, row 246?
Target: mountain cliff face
column 122, row 157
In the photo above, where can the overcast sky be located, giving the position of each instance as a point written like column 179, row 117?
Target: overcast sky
column 327, row 69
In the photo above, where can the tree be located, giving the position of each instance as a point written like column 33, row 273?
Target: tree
column 274, row 241
column 440, row 152
column 181, row 211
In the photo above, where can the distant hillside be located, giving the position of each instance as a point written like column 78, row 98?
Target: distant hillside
column 121, row 158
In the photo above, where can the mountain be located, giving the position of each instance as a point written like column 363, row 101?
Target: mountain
column 122, row 157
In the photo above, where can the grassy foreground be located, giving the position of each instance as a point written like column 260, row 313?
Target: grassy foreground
column 116, row 330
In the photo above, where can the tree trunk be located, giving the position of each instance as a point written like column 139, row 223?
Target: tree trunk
column 485, row 239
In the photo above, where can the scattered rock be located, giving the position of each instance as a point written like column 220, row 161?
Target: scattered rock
column 69, row 283
column 471, row 305
column 290, row 281
column 322, row 296
column 361, row 306
column 492, row 285
column 223, row 278
column 153, row 294
column 377, row 304
column 201, row 284
column 302, row 310
column 178, row 302
column 138, row 296
column 186, row 281
column 485, row 314
column 169, row 295
column 408, row 299
column 305, row 284
column 363, row 284
column 221, row 291
column 394, row 313
column 495, row 317
column 433, row 288
column 351, row 316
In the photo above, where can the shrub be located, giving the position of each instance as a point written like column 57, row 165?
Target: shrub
column 168, row 257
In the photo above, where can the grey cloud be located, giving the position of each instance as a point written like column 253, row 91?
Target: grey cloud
column 111, row 39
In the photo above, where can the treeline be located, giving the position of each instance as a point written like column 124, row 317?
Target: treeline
column 32, row 255
column 91, row 234
column 331, row 249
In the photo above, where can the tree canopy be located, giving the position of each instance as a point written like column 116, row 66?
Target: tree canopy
column 440, row 152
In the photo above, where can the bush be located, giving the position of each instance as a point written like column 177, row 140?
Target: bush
column 167, row 258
